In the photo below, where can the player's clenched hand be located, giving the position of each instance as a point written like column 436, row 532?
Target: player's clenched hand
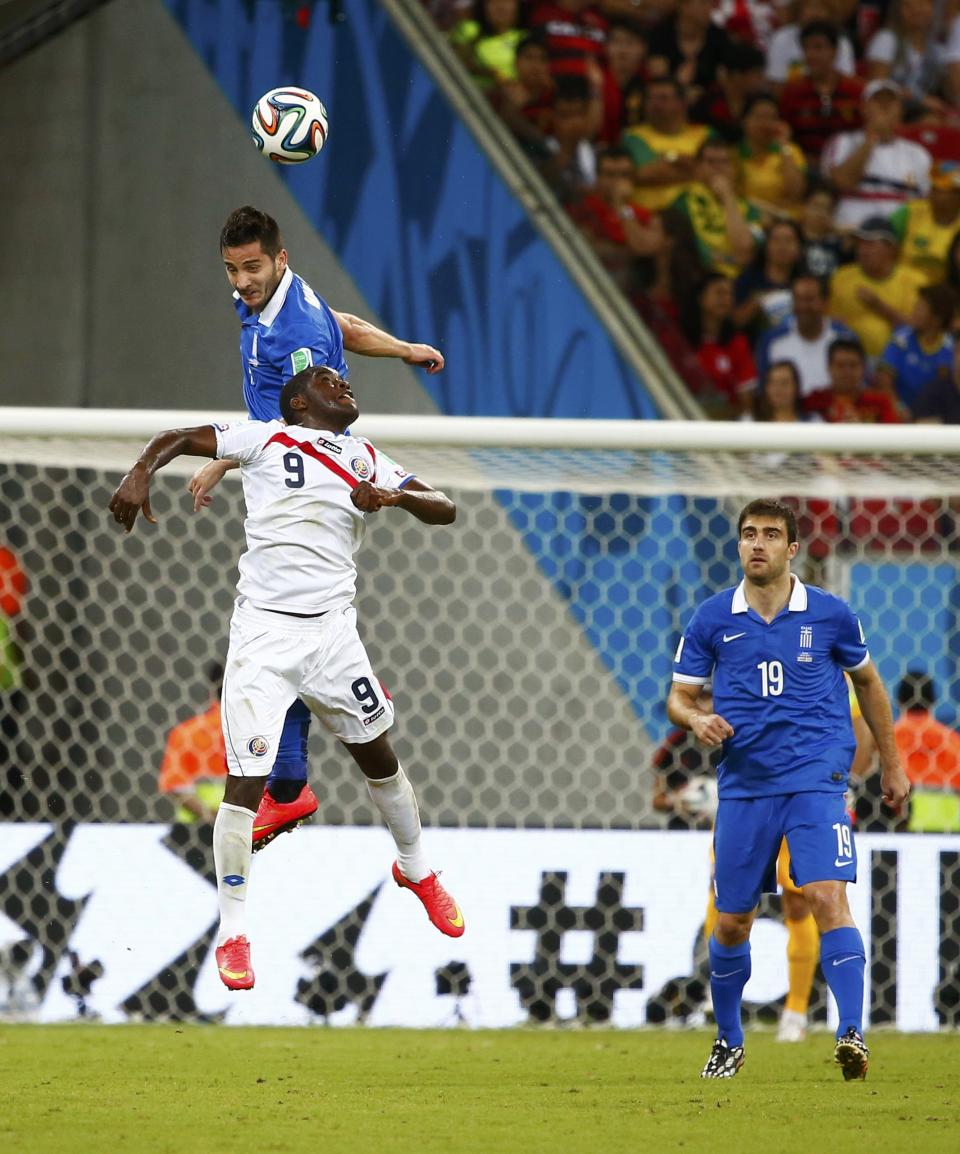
column 204, row 480
column 369, row 498
column 426, row 357
column 132, row 495
column 711, row 728
column 895, row 786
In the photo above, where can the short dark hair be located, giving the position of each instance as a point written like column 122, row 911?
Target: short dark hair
column 942, row 302
column 248, row 224
column 572, row 88
column 758, row 98
column 614, row 152
column 845, row 345
column 816, row 185
column 770, row 507
column 739, row 56
column 669, row 82
column 916, row 691
column 822, row 282
column 533, row 39
column 297, row 387
column 627, row 24
column 820, row 28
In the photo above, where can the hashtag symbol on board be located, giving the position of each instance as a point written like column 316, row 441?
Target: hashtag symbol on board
column 594, row 982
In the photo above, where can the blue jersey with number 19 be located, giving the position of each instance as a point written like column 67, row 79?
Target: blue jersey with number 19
column 781, row 687
column 296, row 330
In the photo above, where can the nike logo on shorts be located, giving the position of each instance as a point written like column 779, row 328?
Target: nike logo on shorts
column 839, row 861
column 733, row 636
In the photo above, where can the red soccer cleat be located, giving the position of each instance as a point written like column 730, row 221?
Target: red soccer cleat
column 441, row 909
column 274, row 817
column 233, row 964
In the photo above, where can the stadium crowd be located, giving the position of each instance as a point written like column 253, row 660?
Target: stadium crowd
column 792, row 167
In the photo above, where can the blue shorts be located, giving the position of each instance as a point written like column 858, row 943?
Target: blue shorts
column 747, row 836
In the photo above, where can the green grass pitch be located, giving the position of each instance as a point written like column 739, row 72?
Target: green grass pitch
column 207, row 1090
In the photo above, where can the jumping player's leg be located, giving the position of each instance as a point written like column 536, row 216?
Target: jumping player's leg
column 392, row 794
column 289, row 773
column 257, row 689
column 288, row 801
column 345, row 694
column 824, row 861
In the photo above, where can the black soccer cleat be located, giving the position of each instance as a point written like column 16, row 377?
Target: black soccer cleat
column 724, row 1061
column 852, row 1056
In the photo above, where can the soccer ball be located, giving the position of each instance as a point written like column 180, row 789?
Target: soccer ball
column 699, row 796
column 289, row 125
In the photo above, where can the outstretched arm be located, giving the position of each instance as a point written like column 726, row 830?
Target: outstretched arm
column 133, row 493
column 875, row 707
column 359, row 336
column 428, row 505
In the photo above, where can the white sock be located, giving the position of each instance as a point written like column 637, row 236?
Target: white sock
column 232, row 850
column 397, row 802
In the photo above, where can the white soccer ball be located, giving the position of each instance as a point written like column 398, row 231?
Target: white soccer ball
column 289, row 125
column 699, row 796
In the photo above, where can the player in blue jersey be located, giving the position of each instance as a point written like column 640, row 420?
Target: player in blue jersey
column 776, row 651
column 285, row 327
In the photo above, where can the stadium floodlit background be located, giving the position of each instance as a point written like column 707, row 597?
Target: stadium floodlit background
column 528, row 647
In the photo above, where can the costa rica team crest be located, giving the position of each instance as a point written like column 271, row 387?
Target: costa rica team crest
column 258, row 746
column 361, row 467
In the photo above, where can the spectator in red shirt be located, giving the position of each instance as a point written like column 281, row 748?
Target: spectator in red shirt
column 623, row 79
column 848, row 398
column 670, row 277
column 575, row 33
column 722, row 351
column 824, row 102
column 739, row 77
column 526, row 104
column 618, row 231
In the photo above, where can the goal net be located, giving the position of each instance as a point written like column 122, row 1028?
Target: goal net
column 528, row 648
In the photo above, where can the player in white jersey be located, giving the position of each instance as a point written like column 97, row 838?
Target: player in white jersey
column 307, row 486
column 284, row 327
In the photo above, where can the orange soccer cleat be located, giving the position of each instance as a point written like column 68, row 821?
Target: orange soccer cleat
column 233, row 964
column 441, row 909
column 274, row 817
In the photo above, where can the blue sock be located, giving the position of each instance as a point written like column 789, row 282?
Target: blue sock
column 729, row 973
column 843, row 961
column 290, row 767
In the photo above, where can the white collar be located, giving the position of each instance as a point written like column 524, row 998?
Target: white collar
column 796, row 604
column 275, row 304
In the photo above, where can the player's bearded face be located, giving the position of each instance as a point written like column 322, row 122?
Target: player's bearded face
column 765, row 552
column 253, row 273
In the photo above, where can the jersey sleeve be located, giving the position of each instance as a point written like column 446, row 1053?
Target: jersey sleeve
column 694, row 659
column 850, row 647
column 245, row 440
column 386, row 472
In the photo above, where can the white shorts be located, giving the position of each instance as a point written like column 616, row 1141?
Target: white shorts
column 273, row 659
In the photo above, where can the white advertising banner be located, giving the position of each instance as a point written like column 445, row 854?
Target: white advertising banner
column 556, row 922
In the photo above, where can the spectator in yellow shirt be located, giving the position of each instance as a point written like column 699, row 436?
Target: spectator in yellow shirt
column 771, row 171
column 926, row 227
column 726, row 226
column 664, row 147
column 875, row 294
